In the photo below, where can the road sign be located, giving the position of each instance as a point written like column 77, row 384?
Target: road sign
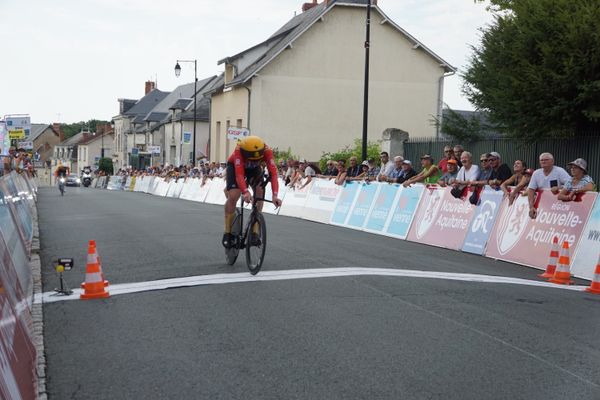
column 18, row 124
column 135, row 151
column 154, row 150
column 187, row 137
column 236, row 133
column 16, row 134
column 27, row 145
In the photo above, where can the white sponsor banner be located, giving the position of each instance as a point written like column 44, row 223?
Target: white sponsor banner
column 235, row 133
column 321, row 200
column 27, row 145
column 295, row 198
column 186, row 191
column 588, row 249
column 202, row 189
column 216, row 195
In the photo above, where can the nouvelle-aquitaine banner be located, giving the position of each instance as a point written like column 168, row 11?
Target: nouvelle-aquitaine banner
column 441, row 219
column 588, row 250
column 483, row 221
column 520, row 239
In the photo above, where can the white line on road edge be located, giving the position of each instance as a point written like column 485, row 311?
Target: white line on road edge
column 216, row 279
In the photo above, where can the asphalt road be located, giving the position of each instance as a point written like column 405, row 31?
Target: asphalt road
column 351, row 337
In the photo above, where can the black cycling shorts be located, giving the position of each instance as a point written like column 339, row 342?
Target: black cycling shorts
column 253, row 176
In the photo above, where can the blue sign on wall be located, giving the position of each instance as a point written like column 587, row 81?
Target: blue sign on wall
column 404, row 211
column 382, row 207
column 362, row 205
column 483, row 220
column 345, row 200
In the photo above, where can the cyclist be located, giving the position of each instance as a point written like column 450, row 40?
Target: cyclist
column 61, row 171
column 244, row 167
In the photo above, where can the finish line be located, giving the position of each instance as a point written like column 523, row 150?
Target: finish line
column 263, row 276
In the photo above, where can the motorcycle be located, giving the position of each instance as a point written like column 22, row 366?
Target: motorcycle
column 86, row 179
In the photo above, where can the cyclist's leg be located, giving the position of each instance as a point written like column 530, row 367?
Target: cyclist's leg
column 233, row 195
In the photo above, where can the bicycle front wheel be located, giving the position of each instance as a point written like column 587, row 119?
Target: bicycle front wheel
column 231, row 254
column 256, row 244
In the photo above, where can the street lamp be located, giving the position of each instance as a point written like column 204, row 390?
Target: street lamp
column 177, row 73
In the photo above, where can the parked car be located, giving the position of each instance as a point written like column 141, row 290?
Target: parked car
column 73, row 180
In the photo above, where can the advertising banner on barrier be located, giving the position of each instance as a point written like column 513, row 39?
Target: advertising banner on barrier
column 382, row 207
column 483, row 221
column 362, row 206
column 344, row 203
column 12, row 238
column 202, row 189
column 216, row 195
column 588, row 249
column 295, row 198
column 404, row 209
column 441, row 219
column 518, row 238
column 114, row 183
column 188, row 188
column 19, row 209
column 321, row 200
column 17, row 353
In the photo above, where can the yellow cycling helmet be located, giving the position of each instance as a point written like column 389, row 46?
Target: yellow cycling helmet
column 252, row 147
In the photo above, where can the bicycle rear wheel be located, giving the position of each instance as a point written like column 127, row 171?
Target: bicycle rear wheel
column 256, row 243
column 231, row 254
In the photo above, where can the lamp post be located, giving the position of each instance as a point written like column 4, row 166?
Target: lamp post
column 366, row 93
column 177, row 73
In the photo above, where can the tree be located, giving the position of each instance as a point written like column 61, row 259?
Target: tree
column 70, row 130
column 537, row 68
column 105, row 164
column 461, row 128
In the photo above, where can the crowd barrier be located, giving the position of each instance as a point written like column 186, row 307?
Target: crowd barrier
column 427, row 214
column 17, row 351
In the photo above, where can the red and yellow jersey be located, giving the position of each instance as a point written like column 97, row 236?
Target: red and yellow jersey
column 240, row 164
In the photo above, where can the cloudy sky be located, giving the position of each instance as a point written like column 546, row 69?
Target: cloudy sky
column 69, row 60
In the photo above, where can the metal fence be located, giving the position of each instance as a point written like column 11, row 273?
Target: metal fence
column 564, row 151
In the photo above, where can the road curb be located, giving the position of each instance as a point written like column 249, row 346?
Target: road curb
column 37, row 311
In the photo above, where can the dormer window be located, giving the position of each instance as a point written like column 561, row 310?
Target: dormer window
column 229, row 73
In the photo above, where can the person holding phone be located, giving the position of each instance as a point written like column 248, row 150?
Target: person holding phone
column 549, row 176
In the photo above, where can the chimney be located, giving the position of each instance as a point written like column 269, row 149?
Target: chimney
column 149, row 87
column 57, row 128
column 308, row 6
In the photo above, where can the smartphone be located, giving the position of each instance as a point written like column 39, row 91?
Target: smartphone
column 553, row 183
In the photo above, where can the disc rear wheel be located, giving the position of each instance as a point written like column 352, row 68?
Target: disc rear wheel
column 256, row 243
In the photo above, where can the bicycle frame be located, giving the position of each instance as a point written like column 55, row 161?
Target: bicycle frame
column 255, row 201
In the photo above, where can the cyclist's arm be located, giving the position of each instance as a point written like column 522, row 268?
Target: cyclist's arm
column 240, row 173
column 272, row 167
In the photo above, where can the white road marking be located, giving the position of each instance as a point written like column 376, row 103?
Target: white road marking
column 217, row 279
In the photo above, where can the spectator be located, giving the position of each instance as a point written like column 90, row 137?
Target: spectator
column 448, row 155
column 468, row 172
column 500, row 171
column 580, row 181
column 548, row 176
column 458, row 150
column 402, row 172
column 485, row 170
column 330, row 170
column 450, row 176
column 340, row 179
column 308, row 172
column 430, row 174
column 519, row 179
column 353, row 169
column 386, row 167
column 372, row 171
column 290, row 172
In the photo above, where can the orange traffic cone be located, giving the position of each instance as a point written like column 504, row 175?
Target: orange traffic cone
column 551, row 267
column 595, row 286
column 562, row 275
column 93, row 243
column 94, row 284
